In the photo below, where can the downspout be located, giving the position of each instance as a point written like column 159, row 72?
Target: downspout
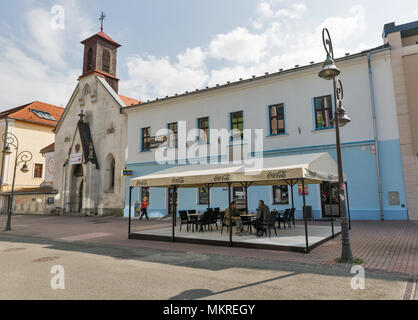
column 3, row 155
column 376, row 142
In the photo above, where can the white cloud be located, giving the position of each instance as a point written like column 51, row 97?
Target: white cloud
column 278, row 43
column 152, row 77
column 296, row 12
column 264, row 10
column 34, row 62
column 239, row 46
column 28, row 79
column 270, row 9
column 192, row 58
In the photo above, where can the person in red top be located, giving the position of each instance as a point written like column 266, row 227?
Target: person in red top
column 144, row 208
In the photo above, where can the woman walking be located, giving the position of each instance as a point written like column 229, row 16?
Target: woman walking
column 144, row 208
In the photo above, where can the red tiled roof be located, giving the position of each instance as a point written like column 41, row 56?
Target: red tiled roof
column 98, row 73
column 49, row 148
column 35, row 190
column 104, row 36
column 25, row 113
column 129, row 101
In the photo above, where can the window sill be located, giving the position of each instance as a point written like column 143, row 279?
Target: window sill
column 111, row 190
column 324, row 129
column 237, row 142
column 145, row 151
column 278, row 135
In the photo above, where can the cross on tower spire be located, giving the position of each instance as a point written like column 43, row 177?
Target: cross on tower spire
column 102, row 18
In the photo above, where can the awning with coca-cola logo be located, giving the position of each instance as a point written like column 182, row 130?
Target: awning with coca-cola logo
column 313, row 168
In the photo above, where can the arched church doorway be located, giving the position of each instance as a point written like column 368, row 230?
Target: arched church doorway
column 80, row 196
column 77, row 188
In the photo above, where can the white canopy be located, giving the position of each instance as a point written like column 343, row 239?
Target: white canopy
column 314, row 168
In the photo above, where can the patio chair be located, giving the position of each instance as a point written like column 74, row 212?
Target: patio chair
column 292, row 217
column 213, row 219
column 283, row 218
column 184, row 219
column 246, row 221
column 204, row 221
column 193, row 220
column 223, row 224
column 269, row 224
column 217, row 212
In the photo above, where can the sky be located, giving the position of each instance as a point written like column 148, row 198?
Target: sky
column 173, row 46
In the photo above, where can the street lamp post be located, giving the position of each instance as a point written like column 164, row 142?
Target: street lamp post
column 331, row 72
column 10, row 140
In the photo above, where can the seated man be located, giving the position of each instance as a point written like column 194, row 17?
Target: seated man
column 235, row 216
column 263, row 214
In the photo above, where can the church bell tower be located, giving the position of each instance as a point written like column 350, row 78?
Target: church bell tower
column 100, row 57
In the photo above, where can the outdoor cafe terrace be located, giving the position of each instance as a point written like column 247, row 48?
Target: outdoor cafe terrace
column 282, row 232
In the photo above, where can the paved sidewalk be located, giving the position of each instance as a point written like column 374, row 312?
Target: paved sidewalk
column 384, row 246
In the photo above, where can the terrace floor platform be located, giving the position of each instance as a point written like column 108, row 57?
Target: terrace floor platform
column 290, row 239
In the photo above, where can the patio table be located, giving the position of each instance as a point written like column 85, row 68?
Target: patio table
column 199, row 216
column 251, row 217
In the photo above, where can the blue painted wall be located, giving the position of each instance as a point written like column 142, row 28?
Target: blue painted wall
column 359, row 166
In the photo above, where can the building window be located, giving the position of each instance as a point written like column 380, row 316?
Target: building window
column 37, row 174
column 237, row 125
column 43, row 115
column 203, row 126
column 323, row 112
column 239, row 197
column 173, row 141
column 144, row 193
column 203, row 195
column 146, row 139
column 90, row 59
column 280, row 195
column 277, row 123
column 106, row 60
column 112, row 173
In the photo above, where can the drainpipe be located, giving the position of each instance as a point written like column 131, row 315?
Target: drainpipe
column 376, row 142
column 3, row 155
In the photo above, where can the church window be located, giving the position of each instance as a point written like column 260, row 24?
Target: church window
column 106, row 60
column 90, row 59
column 112, row 173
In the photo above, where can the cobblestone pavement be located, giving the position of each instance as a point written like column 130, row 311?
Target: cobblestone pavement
column 389, row 246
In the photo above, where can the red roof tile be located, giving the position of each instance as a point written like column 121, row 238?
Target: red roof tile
column 26, row 113
column 104, row 36
column 49, row 148
column 129, row 101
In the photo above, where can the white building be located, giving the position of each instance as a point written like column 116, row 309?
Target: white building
column 294, row 108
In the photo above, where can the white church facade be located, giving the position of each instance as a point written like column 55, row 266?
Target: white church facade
column 91, row 137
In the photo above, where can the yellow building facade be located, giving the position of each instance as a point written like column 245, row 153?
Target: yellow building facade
column 32, row 125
